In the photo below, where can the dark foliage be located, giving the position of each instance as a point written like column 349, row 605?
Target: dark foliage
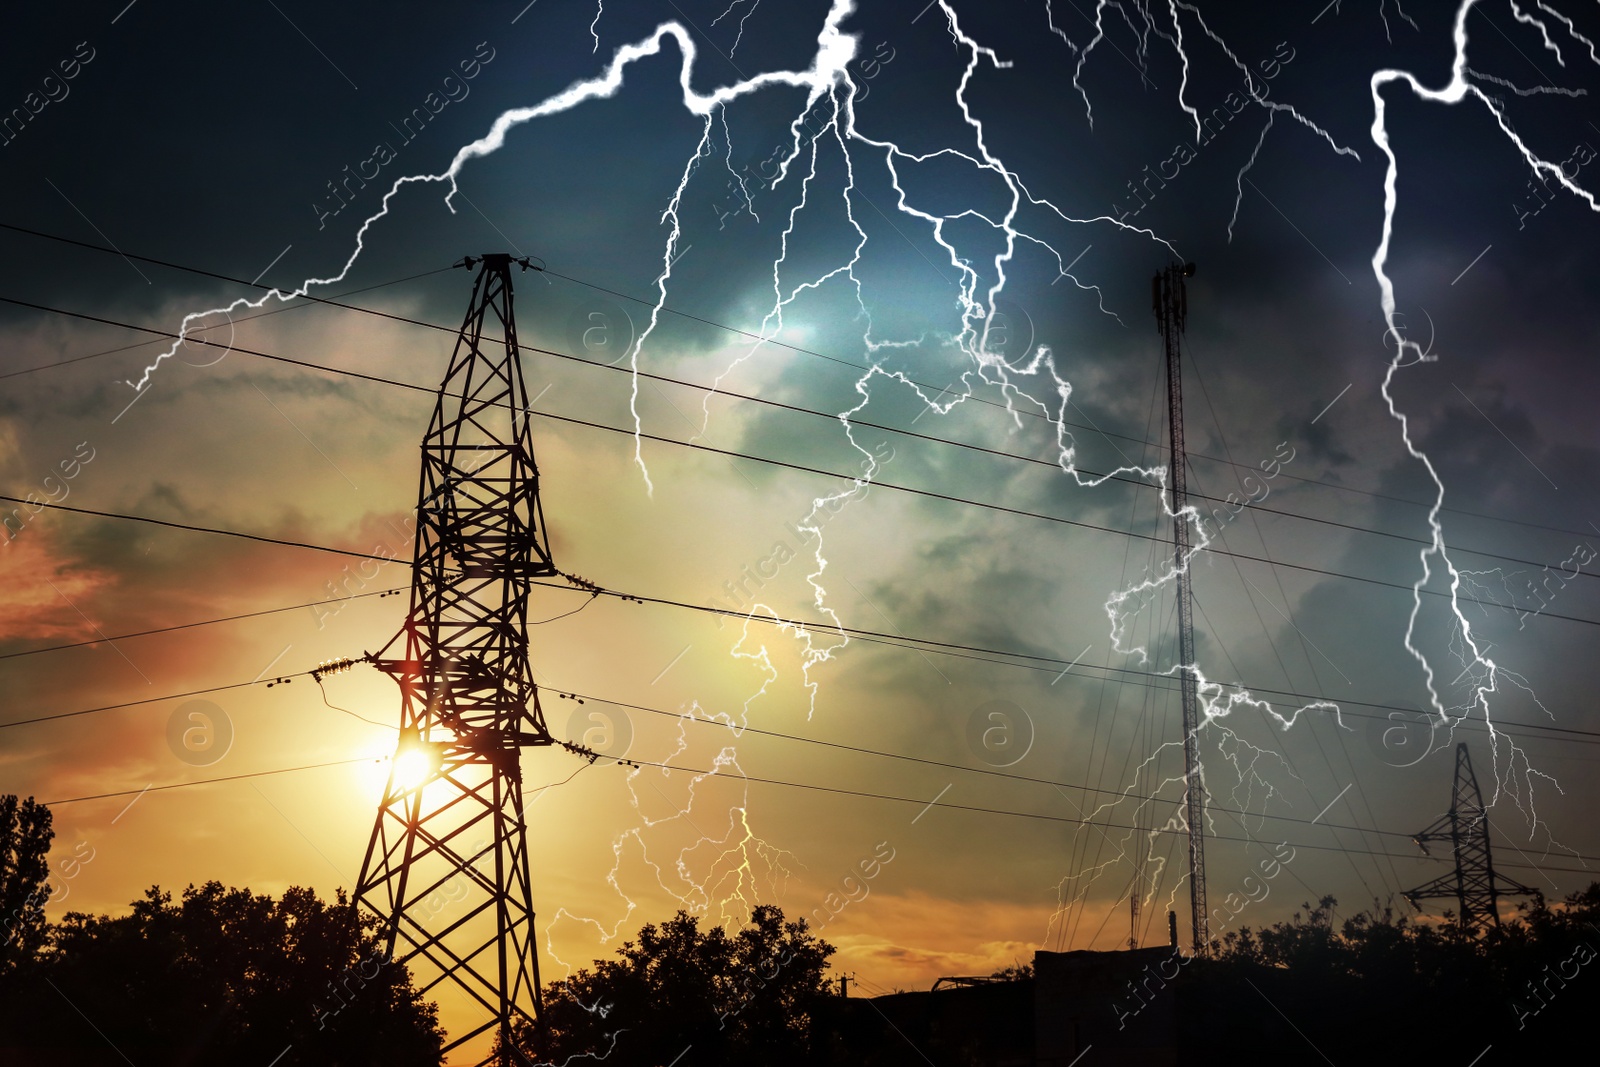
column 25, row 835
column 224, row 976
column 1380, row 989
column 749, row 998
column 220, row 977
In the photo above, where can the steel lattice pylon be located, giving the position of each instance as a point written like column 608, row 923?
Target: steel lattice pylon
column 1473, row 883
column 1171, row 301
column 446, row 868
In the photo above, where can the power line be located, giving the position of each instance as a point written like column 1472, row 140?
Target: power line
column 211, row 781
column 798, row 409
column 1039, row 816
column 1047, row 663
column 151, row 700
column 331, row 302
column 740, row 731
column 203, row 622
column 950, row 498
column 960, row 651
column 1034, row 414
column 950, row 648
column 334, row 302
column 216, row 344
column 998, row 453
column 243, row 318
column 195, row 529
column 863, row 794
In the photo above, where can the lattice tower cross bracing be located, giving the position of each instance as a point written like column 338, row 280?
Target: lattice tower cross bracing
column 1171, row 306
column 468, row 703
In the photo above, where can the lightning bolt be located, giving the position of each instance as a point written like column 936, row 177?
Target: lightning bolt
column 743, row 19
column 977, row 317
column 1571, row 29
column 1544, row 31
column 834, row 50
column 1125, row 605
column 1486, row 673
column 1514, row 774
column 977, row 311
column 724, row 876
column 1273, row 108
column 1383, row 14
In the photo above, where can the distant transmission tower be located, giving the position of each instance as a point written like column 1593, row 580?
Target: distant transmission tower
column 1172, row 308
column 452, row 812
column 1473, row 883
column 1133, row 902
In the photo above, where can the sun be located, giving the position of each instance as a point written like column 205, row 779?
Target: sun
column 413, row 767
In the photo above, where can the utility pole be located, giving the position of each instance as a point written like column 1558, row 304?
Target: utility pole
column 1473, row 883
column 452, row 814
column 1171, row 308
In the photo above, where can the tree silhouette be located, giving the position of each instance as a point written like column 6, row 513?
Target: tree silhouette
column 222, row 976
column 25, row 835
column 749, row 998
column 1423, row 991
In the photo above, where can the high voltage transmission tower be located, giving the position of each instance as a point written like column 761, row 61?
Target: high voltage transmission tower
column 1474, row 884
column 452, row 813
column 1172, row 308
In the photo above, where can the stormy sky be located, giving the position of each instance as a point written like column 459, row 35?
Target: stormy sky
column 951, row 236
